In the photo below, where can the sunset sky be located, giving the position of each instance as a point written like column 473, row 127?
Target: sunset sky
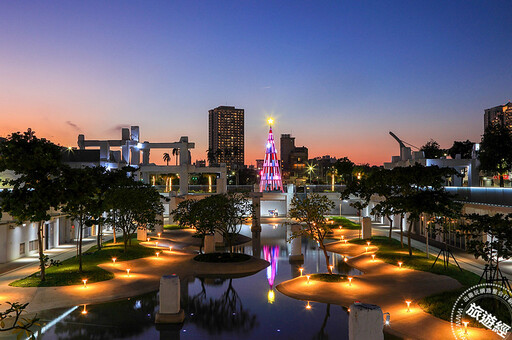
column 337, row 75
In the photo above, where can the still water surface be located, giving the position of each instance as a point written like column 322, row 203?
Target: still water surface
column 219, row 308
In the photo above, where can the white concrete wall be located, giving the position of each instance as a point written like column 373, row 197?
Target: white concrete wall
column 11, row 238
column 271, row 205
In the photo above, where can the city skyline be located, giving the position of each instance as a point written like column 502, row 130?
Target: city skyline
column 329, row 75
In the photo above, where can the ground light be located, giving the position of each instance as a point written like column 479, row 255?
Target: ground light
column 408, row 302
column 331, row 267
column 373, row 257
column 156, row 244
column 388, row 318
column 345, row 259
column 366, row 249
column 84, row 311
column 85, row 283
column 308, row 306
column 368, row 243
column 114, row 260
column 170, row 248
column 148, row 239
column 159, row 234
column 345, row 241
column 349, row 281
column 342, row 237
column 400, row 265
column 307, row 278
column 465, row 323
column 157, row 254
column 128, row 272
column 301, row 270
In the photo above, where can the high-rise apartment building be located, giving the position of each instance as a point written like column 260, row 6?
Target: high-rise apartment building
column 226, row 136
column 499, row 114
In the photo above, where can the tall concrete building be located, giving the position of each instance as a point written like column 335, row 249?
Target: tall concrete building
column 501, row 114
column 226, row 136
column 293, row 159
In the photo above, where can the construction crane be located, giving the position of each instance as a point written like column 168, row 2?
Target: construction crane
column 401, row 142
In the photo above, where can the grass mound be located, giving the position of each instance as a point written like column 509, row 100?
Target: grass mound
column 344, row 222
column 67, row 274
column 174, row 227
column 222, row 257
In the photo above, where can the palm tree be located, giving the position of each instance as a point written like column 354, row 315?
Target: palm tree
column 176, row 152
column 167, row 158
column 210, row 154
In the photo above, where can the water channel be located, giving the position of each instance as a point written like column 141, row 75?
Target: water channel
column 218, row 308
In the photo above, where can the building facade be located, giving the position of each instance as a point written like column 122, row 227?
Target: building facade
column 499, row 114
column 226, row 136
column 293, row 158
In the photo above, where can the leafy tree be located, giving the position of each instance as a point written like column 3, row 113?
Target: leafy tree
column 489, row 238
column 345, row 167
column 167, row 158
column 496, row 150
column 81, row 191
column 210, row 154
column 235, row 210
column 135, row 205
column 310, row 212
column 36, row 189
column 464, row 149
column 17, row 322
column 203, row 215
column 432, row 150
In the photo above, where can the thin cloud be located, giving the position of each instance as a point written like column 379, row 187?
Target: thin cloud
column 74, row 126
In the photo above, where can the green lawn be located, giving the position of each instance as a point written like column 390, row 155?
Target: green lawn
column 439, row 305
column 67, row 274
column 174, row 227
column 328, row 277
column 344, row 222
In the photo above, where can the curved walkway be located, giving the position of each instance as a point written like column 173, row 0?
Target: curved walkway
column 387, row 286
column 144, row 277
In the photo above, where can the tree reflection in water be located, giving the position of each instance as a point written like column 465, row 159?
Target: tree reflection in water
column 225, row 314
column 126, row 318
column 322, row 335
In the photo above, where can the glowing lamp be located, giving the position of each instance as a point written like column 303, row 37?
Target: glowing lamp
column 157, row 254
column 170, row 248
column 148, row 239
column 342, row 237
column 114, row 260
column 85, row 283
column 400, row 265
column 307, row 278
column 271, row 296
column 465, row 323
column 408, row 302
column 128, row 272
column 156, row 244
column 349, row 281
column 159, row 234
column 366, row 249
column 345, row 241
column 308, row 306
column 345, row 259
column 331, row 267
column 301, row 270
column 368, row 243
column 373, row 257
column 84, row 311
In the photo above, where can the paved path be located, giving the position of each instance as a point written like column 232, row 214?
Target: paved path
column 387, row 286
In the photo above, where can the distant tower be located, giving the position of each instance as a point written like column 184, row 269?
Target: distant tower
column 270, row 179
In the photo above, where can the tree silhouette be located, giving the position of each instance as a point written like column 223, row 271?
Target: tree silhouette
column 166, row 158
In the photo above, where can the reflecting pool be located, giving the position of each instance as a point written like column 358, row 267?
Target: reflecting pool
column 218, row 308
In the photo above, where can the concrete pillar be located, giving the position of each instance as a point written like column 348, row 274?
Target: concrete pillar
column 296, row 251
column 142, row 234
column 367, row 227
column 209, row 244
column 365, row 321
column 184, row 180
column 170, row 311
column 159, row 226
column 145, row 156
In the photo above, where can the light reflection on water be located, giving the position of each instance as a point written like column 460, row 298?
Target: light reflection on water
column 222, row 308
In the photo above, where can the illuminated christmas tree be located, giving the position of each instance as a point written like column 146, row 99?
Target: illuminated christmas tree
column 270, row 177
